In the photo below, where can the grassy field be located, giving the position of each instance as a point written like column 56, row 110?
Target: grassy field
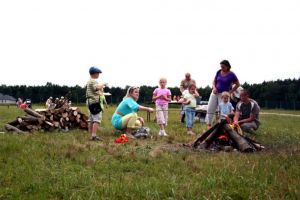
column 280, row 111
column 69, row 166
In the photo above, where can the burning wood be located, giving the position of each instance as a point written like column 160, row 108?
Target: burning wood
column 223, row 137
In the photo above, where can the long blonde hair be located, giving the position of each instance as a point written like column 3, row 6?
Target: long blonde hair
column 130, row 90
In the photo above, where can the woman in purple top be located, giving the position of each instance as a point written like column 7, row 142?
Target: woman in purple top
column 223, row 81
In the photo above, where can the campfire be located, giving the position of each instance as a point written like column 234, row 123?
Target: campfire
column 223, row 136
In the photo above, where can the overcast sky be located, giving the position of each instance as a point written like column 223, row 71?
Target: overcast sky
column 136, row 42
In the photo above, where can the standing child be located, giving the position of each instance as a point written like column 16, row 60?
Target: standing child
column 189, row 102
column 92, row 96
column 225, row 107
column 162, row 96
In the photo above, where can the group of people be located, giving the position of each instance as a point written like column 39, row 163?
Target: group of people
column 52, row 103
column 225, row 84
column 23, row 104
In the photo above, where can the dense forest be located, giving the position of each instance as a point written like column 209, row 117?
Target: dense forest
column 271, row 94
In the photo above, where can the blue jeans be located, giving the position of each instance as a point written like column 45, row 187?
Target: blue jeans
column 190, row 115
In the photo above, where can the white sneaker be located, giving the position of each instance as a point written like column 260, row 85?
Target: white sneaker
column 164, row 133
column 161, row 133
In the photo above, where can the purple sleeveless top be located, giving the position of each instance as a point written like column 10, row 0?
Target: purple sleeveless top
column 224, row 83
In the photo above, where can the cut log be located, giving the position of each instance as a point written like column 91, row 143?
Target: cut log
column 75, row 113
column 65, row 115
column 55, row 112
column 41, row 110
column 47, row 114
column 30, row 127
column 83, row 125
column 56, row 124
column 241, row 142
column 14, row 123
column 72, row 118
column 30, row 119
column 20, row 120
column 33, row 113
column 40, row 120
column 12, row 128
column 49, row 123
column 61, row 110
column 62, row 122
column 61, row 117
column 84, row 117
column 78, row 118
column 74, row 108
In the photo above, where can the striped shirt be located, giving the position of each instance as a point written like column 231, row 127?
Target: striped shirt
column 92, row 94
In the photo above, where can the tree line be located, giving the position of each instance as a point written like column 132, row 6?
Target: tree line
column 270, row 94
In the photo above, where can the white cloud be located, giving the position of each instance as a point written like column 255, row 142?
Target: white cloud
column 136, row 42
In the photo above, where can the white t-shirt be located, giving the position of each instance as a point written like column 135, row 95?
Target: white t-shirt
column 189, row 97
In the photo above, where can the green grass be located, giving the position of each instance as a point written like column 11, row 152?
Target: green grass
column 69, row 166
column 281, row 111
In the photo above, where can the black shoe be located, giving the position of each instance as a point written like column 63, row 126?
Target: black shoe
column 96, row 138
column 182, row 118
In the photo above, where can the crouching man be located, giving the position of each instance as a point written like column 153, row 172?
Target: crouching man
column 247, row 113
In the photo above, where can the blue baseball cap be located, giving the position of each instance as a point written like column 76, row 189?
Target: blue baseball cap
column 95, row 70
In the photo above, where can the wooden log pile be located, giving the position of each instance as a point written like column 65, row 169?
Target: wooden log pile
column 62, row 118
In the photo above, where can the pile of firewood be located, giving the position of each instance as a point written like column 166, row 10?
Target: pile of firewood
column 63, row 118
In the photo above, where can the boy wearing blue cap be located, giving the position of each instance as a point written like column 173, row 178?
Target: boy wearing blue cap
column 92, row 96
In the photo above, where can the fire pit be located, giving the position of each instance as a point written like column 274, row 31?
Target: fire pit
column 223, row 136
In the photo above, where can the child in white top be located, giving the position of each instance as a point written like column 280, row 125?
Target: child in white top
column 225, row 107
column 189, row 102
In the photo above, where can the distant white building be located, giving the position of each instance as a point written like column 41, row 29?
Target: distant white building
column 6, row 99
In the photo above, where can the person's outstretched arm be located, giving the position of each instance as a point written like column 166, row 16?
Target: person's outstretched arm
column 148, row 109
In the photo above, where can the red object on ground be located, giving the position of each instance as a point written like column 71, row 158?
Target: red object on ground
column 122, row 139
column 23, row 106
